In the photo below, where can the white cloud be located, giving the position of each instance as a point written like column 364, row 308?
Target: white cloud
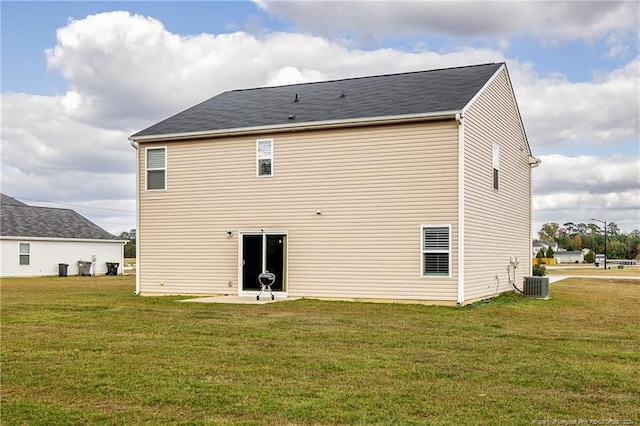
column 292, row 75
column 39, row 134
column 576, row 189
column 564, row 20
column 115, row 78
column 47, row 155
column 126, row 70
column 557, row 111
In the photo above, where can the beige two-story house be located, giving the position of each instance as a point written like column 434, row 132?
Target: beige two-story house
column 381, row 187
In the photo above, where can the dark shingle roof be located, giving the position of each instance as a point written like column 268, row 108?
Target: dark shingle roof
column 6, row 200
column 21, row 220
column 422, row 92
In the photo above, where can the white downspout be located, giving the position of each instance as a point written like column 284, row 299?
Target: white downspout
column 460, row 120
column 533, row 163
column 135, row 145
column 122, row 258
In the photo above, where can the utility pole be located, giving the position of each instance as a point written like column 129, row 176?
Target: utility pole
column 605, row 241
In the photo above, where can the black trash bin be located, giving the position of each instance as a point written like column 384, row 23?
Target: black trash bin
column 112, row 268
column 84, row 268
column 62, row 269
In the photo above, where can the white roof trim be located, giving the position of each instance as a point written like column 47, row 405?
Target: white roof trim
column 513, row 99
column 301, row 126
column 483, row 88
column 74, row 240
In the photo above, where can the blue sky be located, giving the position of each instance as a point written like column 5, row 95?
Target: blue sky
column 77, row 77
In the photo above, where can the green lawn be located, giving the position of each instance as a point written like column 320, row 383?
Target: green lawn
column 85, row 350
column 571, row 269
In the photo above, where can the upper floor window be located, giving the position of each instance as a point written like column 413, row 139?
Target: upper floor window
column 496, row 165
column 264, row 157
column 156, row 167
column 436, row 251
column 25, row 254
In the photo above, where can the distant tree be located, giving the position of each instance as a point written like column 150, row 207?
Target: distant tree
column 540, row 256
column 577, row 242
column 572, row 236
column 590, row 257
column 569, row 228
column 549, row 231
column 550, row 253
column 594, row 228
column 612, row 229
column 633, row 245
column 616, row 250
column 582, row 229
column 130, row 247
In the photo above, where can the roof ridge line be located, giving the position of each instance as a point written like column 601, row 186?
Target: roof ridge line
column 363, row 77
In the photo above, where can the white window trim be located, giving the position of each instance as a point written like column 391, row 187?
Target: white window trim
column 146, row 169
column 423, row 251
column 258, row 158
column 20, row 254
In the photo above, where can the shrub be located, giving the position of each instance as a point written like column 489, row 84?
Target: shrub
column 539, row 271
column 550, row 253
column 590, row 257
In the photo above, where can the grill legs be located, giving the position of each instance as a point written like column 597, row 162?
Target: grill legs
column 262, row 287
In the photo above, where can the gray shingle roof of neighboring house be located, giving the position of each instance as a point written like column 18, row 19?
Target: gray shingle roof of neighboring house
column 21, row 220
column 6, row 200
column 424, row 92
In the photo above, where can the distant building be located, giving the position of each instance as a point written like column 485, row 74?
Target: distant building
column 564, row 256
column 35, row 240
column 544, row 245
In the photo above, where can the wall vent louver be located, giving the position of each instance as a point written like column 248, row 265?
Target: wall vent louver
column 536, row 287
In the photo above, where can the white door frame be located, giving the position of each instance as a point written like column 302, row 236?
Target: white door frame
column 264, row 233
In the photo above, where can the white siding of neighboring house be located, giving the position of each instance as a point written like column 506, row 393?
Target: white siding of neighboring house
column 47, row 254
column 569, row 257
column 375, row 186
column 502, row 217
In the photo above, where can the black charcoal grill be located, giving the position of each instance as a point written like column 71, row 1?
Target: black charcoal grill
column 266, row 280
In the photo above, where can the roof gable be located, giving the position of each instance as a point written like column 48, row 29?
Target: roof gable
column 424, row 92
column 21, row 220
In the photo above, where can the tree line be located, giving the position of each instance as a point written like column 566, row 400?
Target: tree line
column 130, row 247
column 578, row 236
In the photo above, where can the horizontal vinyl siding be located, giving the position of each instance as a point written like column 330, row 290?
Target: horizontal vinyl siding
column 46, row 255
column 497, row 223
column 375, row 187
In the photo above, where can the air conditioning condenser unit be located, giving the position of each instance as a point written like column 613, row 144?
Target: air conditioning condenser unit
column 536, row 287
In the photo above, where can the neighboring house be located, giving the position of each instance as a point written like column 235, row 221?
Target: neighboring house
column 383, row 187
column 35, row 240
column 544, row 245
column 564, row 256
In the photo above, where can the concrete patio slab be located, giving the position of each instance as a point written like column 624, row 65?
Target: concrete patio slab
column 239, row 300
